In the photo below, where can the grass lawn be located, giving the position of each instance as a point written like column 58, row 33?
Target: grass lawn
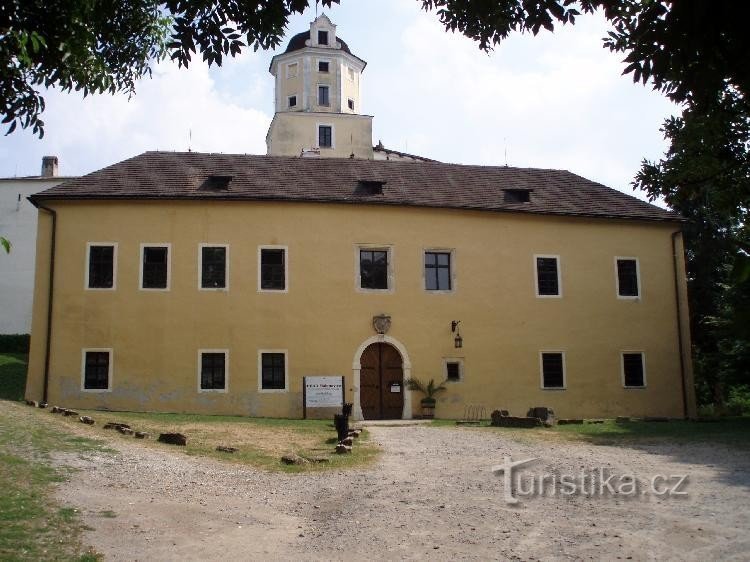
column 12, row 376
column 32, row 525
column 729, row 431
column 261, row 441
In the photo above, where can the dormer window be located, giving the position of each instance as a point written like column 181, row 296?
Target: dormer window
column 517, row 195
column 216, row 183
column 323, row 66
column 370, row 187
column 322, row 38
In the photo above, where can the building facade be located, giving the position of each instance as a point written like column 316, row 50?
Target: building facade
column 18, row 224
column 209, row 283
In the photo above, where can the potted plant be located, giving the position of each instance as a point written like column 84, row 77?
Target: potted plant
column 429, row 391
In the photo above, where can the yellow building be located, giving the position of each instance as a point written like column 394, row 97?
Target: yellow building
column 211, row 283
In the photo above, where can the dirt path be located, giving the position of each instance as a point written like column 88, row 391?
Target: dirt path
column 432, row 494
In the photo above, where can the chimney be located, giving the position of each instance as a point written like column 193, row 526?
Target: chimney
column 49, row 166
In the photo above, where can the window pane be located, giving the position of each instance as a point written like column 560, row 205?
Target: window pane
column 546, row 270
column 325, row 135
column 101, row 267
column 155, row 259
column 633, row 366
column 373, row 267
column 437, row 271
column 322, row 37
column 323, row 95
column 96, row 374
column 322, row 66
column 272, row 371
column 444, row 279
column 213, row 367
column 272, row 270
column 453, row 372
column 627, row 278
column 214, row 273
column 552, row 370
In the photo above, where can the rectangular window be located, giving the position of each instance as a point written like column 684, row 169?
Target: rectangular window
column 291, row 70
column 350, row 73
column 100, row 270
column 155, row 266
column 553, row 369
column 373, row 269
column 323, row 97
column 628, row 284
column 322, row 37
column 273, row 371
column 350, row 103
column 213, row 370
column 453, row 370
column 273, row 269
column 96, row 369
column 547, row 276
column 213, row 267
column 325, row 136
column 437, row 271
column 633, row 371
column 292, row 101
column 323, row 66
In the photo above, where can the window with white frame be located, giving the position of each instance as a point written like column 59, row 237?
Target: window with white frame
column 155, row 266
column 272, row 370
column 272, row 268
column 633, row 369
column 324, row 66
column 213, row 370
column 101, row 265
column 552, row 365
column 627, row 276
column 322, row 37
column 375, row 269
column 547, row 276
column 213, row 266
column 97, row 370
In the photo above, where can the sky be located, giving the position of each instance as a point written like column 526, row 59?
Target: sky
column 557, row 100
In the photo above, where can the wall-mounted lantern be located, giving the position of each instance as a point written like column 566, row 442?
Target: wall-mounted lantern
column 458, row 341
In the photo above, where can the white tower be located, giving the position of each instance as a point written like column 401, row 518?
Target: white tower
column 318, row 97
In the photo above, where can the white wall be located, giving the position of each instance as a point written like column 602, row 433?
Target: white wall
column 18, row 224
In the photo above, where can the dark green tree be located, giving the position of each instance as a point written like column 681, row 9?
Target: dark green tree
column 705, row 176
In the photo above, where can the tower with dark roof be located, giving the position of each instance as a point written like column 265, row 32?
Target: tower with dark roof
column 318, row 97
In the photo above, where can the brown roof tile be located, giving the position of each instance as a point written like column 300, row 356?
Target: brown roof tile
column 179, row 175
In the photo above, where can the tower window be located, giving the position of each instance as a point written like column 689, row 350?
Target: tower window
column 350, row 103
column 292, row 101
column 323, row 96
column 291, row 70
column 323, row 66
column 322, row 38
column 350, row 73
column 325, row 136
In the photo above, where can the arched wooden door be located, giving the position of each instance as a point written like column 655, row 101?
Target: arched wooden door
column 381, row 383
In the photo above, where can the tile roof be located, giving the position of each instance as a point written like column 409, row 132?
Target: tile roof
column 180, row 175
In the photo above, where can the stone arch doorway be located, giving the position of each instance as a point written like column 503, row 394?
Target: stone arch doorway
column 381, row 365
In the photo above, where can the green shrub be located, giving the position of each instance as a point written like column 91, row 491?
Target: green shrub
column 14, row 343
column 739, row 401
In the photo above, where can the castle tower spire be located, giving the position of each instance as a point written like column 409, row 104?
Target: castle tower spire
column 318, row 97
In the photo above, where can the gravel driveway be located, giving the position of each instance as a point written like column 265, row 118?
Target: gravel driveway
column 432, row 494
